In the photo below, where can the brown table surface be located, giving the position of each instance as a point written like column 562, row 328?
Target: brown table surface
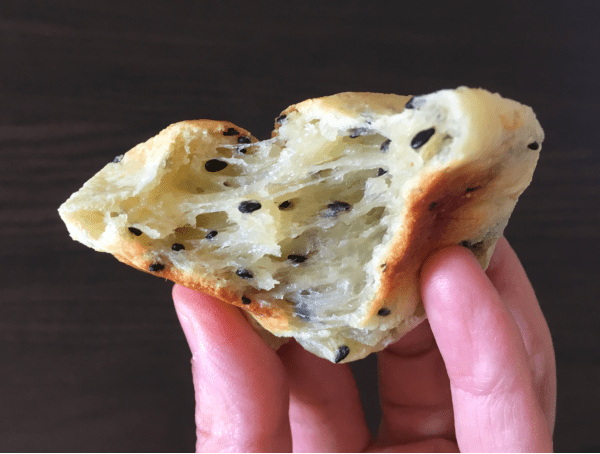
column 92, row 357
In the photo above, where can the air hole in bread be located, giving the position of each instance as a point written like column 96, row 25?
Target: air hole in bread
column 296, row 258
column 180, row 179
column 367, row 139
column 374, row 215
column 129, row 203
column 322, row 173
column 226, row 152
column 186, row 233
column 208, row 222
column 92, row 221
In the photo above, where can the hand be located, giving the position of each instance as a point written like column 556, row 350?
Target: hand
column 479, row 375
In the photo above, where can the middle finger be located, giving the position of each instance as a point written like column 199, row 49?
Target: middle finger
column 415, row 390
column 325, row 410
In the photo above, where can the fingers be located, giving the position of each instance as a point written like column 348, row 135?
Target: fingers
column 240, row 384
column 495, row 403
column 429, row 445
column 325, row 410
column 509, row 278
column 415, row 390
column 244, row 392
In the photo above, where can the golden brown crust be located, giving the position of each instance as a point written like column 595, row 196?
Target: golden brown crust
column 272, row 318
column 454, row 206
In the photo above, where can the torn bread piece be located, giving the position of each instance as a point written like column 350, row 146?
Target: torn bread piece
column 319, row 232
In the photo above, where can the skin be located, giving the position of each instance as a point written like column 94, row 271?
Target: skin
column 479, row 375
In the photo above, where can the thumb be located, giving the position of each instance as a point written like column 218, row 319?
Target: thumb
column 242, row 397
column 495, row 404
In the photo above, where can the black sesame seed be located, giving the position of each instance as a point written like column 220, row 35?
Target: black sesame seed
column 384, row 312
column 385, row 146
column 249, row 206
column 356, row 132
column 472, row 189
column 210, row 235
column 156, row 267
column 231, row 132
column 178, row 247
column 533, row 146
column 246, row 300
column 242, row 150
column 214, row 165
column 334, row 208
column 136, row 232
column 244, row 274
column 280, row 119
column 244, row 139
column 285, row 205
column 432, row 205
column 381, row 172
column 421, row 138
column 342, row 352
column 296, row 258
column 409, row 104
column 118, row 159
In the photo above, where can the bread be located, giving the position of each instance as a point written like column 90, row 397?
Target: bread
column 319, row 232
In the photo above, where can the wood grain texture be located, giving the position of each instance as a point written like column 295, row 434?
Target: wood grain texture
column 92, row 357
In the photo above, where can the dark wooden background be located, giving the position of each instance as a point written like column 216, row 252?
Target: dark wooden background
column 92, row 357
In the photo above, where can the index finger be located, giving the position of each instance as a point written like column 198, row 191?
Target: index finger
column 495, row 404
column 242, row 397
